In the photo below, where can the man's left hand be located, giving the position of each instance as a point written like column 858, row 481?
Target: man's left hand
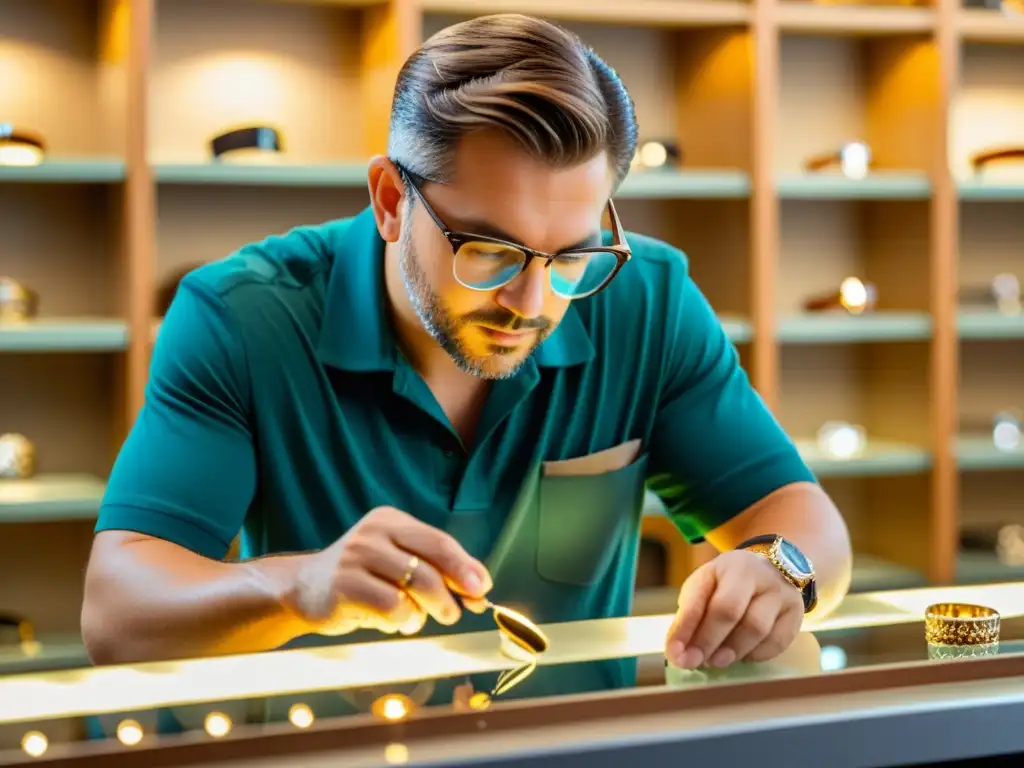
column 737, row 607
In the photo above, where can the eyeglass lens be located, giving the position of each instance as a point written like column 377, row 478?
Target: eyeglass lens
column 485, row 266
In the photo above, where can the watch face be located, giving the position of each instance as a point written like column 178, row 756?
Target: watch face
column 794, row 558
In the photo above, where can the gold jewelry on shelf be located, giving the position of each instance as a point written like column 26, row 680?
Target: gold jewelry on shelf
column 410, row 572
column 853, row 295
column 998, row 154
column 961, row 624
column 17, row 457
column 853, row 160
column 20, row 147
column 17, row 303
column 652, row 155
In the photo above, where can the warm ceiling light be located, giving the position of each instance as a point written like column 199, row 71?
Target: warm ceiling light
column 217, row 724
column 129, row 732
column 20, row 147
column 251, row 144
column 300, row 715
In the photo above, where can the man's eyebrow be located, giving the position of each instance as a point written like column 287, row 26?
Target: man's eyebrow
column 486, row 229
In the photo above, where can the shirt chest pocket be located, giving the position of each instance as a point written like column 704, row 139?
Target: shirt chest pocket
column 587, row 506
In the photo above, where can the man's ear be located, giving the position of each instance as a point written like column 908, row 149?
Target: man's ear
column 387, row 197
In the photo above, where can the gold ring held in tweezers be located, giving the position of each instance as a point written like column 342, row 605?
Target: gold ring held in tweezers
column 961, row 624
column 410, row 572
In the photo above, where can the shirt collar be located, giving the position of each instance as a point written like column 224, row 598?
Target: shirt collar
column 356, row 332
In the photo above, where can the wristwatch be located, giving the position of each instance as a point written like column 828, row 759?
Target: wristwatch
column 793, row 564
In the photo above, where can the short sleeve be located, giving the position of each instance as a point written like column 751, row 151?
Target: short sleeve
column 187, row 471
column 715, row 447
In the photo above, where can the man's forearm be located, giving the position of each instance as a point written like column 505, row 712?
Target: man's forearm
column 804, row 514
column 149, row 600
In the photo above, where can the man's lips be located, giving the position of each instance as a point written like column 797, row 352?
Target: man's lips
column 506, row 338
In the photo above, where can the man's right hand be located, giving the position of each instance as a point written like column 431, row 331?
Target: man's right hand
column 356, row 583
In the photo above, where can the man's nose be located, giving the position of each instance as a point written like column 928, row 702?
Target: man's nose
column 525, row 295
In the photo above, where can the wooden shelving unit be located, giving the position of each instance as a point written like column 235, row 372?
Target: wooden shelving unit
column 128, row 93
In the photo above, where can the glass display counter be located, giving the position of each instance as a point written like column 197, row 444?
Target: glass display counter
column 862, row 687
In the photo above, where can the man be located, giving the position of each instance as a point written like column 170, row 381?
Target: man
column 457, row 394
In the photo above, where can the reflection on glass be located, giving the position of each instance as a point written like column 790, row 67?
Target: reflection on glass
column 393, row 706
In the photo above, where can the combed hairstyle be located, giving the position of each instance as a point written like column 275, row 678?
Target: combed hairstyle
column 532, row 79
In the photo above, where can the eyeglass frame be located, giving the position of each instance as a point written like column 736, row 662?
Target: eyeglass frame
column 619, row 248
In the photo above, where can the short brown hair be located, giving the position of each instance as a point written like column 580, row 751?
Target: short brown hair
column 530, row 78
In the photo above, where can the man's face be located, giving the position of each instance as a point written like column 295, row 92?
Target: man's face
column 498, row 191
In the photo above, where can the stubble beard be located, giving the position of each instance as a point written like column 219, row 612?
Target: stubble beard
column 438, row 320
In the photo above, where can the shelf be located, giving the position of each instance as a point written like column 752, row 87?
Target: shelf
column 976, row 452
column 58, row 335
column 854, row 19
column 46, row 498
column 685, row 184
column 737, row 329
column 54, row 652
column 648, row 12
column 981, row 567
column 842, row 328
column 976, row 189
column 284, row 175
column 97, row 171
column 881, row 457
column 983, row 324
column 985, row 26
column 880, row 186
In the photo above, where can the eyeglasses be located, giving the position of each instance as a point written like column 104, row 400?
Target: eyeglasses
column 483, row 263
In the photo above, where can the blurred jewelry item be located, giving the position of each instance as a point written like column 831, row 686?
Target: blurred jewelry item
column 252, row 144
column 1003, row 292
column 652, row 155
column 986, row 157
column 957, row 630
column 852, row 159
column 854, row 295
column 1010, row 544
column 20, row 147
column 17, row 457
column 18, row 631
column 1006, row 430
column 17, row 303
column 841, row 440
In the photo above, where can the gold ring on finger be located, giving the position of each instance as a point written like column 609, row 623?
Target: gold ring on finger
column 410, row 572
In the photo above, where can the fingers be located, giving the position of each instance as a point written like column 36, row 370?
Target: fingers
column 693, row 600
column 373, row 603
column 787, row 626
column 425, row 586
column 724, row 612
column 757, row 624
column 460, row 571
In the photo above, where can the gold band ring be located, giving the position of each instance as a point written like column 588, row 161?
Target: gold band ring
column 961, row 624
column 410, row 572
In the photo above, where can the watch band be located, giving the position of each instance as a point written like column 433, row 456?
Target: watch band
column 766, row 545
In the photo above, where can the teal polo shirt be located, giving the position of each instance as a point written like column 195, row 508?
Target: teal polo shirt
column 280, row 405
